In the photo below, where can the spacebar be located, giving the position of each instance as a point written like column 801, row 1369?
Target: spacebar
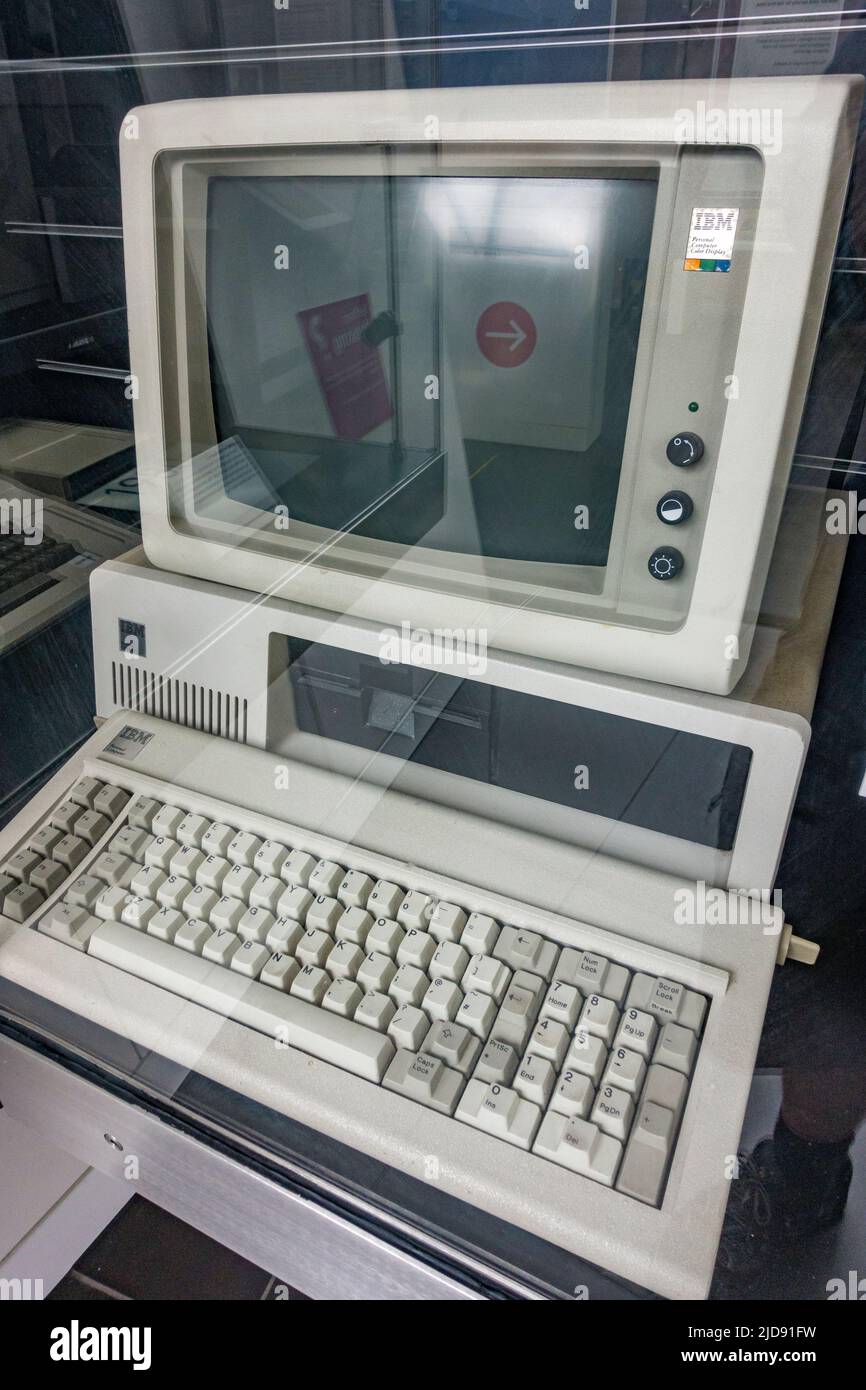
column 328, row 1036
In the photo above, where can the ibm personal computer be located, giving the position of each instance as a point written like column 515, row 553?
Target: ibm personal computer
column 464, row 421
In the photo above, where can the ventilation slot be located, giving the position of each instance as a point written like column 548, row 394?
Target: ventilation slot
column 195, row 706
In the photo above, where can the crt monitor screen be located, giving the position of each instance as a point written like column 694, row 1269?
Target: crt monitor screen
column 427, row 359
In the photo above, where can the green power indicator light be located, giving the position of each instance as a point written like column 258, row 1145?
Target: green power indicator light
column 693, row 406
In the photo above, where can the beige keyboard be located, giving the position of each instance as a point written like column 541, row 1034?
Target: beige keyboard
column 561, row 1051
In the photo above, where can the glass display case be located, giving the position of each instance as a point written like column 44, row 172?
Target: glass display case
column 392, row 367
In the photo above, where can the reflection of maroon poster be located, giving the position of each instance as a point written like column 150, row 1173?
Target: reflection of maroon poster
column 349, row 369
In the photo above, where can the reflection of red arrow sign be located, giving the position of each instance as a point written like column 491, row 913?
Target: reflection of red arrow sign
column 506, row 334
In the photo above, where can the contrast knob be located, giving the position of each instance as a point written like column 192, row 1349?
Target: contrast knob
column 665, row 563
column 685, row 449
column 674, row 508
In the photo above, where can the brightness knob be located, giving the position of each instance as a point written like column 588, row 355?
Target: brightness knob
column 665, row 563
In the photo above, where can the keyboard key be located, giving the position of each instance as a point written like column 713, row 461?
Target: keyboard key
column 346, row 1044
column 499, row 1111
column 62, row 920
column 385, row 899
column 355, row 889
column 297, row 868
column 516, row 1017
column 665, row 1087
column 592, row 974
column 415, row 910
column 186, row 863
column 250, row 959
column 131, row 842
column 579, row 1145
column 563, row 1003
column 353, row 926
column 344, row 960
column 498, row 1063
column 270, row 859
column 323, row 914
column 192, row 935
column 110, row 801
column 447, row 923
column 279, row 971
column 600, row 1017
column 573, row 1094
column 216, row 840
column 613, row 1111
column 48, row 876
column 238, row 882
column 480, row 935
column 91, row 826
column 375, row 1011
column 294, row 903
column 23, row 900
column 255, row 924
column 284, row 935
column 142, row 812
column 165, row 923
column 377, row 972
column 549, row 1040
column 525, row 950
column 227, row 914
column 587, row 1055
column 535, row 1079
column 110, row 903
column 667, row 1001
column 166, row 821
column 311, row 984
column 417, row 948
column 64, row 816
column 6, row 886
column 212, row 871
column 22, row 864
column 73, row 927
column 677, row 1047
column 450, row 961
column 266, row 892
column 173, row 892
column 637, row 1031
column 44, row 840
column 488, row 976
column 85, row 792
column 137, row 912
column 70, row 851
column 408, row 986
column 326, row 878
column 454, row 1045
column 477, row 1013
column 342, row 997
column 147, row 881
column 190, row 832
column 243, row 849
column 625, row 1070
column 314, row 947
column 385, row 936
column 409, row 1027
column 200, row 902
column 425, row 1079
column 221, row 946
column 647, row 1153
column 160, row 852
column 442, row 999
column 84, row 891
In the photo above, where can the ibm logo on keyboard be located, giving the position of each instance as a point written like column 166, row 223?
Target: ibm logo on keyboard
column 137, row 735
column 128, row 742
